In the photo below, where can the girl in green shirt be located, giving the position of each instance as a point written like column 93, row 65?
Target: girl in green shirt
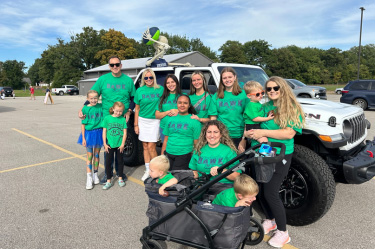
column 167, row 106
column 288, row 120
column 200, row 97
column 230, row 104
column 146, row 126
column 213, row 149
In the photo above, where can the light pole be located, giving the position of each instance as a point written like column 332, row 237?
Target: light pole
column 360, row 37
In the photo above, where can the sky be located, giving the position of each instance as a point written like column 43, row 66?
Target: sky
column 28, row 27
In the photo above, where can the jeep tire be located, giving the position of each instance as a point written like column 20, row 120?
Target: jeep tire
column 309, row 189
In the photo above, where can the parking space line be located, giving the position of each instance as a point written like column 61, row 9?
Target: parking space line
column 63, row 150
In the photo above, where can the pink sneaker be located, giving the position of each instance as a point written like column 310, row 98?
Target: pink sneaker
column 279, row 239
column 268, row 226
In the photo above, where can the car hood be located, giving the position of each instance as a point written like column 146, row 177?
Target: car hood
column 322, row 110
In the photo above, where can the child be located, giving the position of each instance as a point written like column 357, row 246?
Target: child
column 254, row 113
column 242, row 194
column 91, row 136
column 114, row 136
column 159, row 167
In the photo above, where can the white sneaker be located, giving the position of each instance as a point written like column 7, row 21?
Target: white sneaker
column 145, row 175
column 96, row 178
column 89, row 182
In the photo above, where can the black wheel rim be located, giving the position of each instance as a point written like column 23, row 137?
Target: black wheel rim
column 294, row 190
column 128, row 150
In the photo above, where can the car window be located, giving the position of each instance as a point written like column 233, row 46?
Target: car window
column 360, row 85
column 160, row 78
column 290, row 84
column 185, row 77
column 245, row 74
column 372, row 86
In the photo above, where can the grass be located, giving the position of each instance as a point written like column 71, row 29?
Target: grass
column 331, row 87
column 23, row 93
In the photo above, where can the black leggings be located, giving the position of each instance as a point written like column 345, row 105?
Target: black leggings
column 178, row 162
column 269, row 198
column 109, row 161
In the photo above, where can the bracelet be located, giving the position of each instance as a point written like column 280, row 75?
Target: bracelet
column 243, row 138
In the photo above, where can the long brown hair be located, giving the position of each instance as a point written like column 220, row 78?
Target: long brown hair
column 288, row 110
column 166, row 91
column 225, row 138
column 236, row 87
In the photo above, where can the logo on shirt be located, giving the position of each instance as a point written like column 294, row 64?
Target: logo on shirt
column 151, row 96
column 116, row 87
column 95, row 116
column 201, row 108
column 115, row 129
column 178, row 126
column 210, row 161
column 230, row 104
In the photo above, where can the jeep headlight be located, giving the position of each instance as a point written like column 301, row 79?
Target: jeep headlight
column 347, row 128
column 331, row 138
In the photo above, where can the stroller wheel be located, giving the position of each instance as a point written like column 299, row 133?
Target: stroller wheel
column 255, row 233
column 153, row 244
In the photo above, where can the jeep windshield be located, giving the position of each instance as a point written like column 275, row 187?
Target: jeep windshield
column 245, row 74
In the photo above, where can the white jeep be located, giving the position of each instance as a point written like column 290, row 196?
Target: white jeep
column 331, row 148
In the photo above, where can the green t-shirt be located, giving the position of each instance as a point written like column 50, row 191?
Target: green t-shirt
column 169, row 103
column 94, row 117
column 253, row 110
column 115, row 130
column 211, row 157
column 166, row 178
column 181, row 132
column 229, row 110
column 226, row 198
column 148, row 99
column 271, row 125
column 114, row 89
column 203, row 109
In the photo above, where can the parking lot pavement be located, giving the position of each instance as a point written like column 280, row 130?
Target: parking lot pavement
column 44, row 203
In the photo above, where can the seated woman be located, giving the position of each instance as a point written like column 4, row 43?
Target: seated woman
column 214, row 149
column 181, row 134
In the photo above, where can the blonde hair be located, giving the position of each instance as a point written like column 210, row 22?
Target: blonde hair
column 148, row 70
column 288, row 111
column 252, row 85
column 225, row 138
column 162, row 163
column 245, row 185
column 236, row 87
column 118, row 104
column 92, row 91
column 192, row 88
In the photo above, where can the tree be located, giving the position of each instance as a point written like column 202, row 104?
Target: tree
column 12, row 73
column 33, row 72
column 116, row 44
column 87, row 45
column 232, row 52
column 257, row 52
column 283, row 63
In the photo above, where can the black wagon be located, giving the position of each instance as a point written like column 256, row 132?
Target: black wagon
column 187, row 216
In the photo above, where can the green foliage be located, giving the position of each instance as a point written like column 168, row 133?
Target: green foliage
column 232, row 52
column 12, row 73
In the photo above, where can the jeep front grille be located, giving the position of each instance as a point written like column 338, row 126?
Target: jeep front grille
column 358, row 128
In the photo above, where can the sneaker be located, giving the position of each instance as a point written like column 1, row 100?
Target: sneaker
column 103, row 181
column 96, row 178
column 107, row 186
column 89, row 182
column 268, row 226
column 145, row 175
column 279, row 239
column 121, row 183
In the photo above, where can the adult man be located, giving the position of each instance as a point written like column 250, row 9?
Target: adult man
column 115, row 86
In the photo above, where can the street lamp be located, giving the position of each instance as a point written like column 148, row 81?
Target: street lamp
column 360, row 37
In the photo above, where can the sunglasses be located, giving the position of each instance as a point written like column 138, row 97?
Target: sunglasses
column 115, row 64
column 147, row 78
column 257, row 94
column 275, row 88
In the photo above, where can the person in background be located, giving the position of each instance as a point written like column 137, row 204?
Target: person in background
column 146, row 126
column 32, row 91
column 288, row 121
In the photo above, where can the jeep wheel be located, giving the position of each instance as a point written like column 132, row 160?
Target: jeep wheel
column 133, row 151
column 61, row 93
column 360, row 103
column 309, row 189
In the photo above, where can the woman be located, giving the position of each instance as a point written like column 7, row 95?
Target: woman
column 288, row 120
column 145, row 124
column 213, row 149
column 167, row 106
column 181, row 134
column 200, row 97
column 230, row 104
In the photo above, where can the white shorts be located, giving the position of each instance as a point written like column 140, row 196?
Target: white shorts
column 148, row 129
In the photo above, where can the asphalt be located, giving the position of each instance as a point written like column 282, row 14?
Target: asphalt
column 44, row 203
